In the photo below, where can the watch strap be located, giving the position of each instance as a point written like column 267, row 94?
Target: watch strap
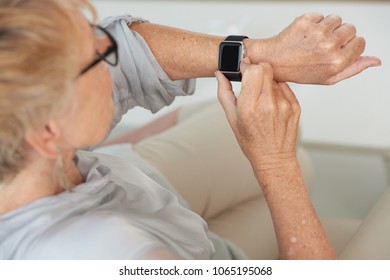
column 234, row 77
column 236, row 38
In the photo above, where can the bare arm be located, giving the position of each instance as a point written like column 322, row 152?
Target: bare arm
column 182, row 54
column 312, row 49
column 264, row 119
column 299, row 232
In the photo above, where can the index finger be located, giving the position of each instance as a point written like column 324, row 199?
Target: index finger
column 253, row 78
column 313, row 17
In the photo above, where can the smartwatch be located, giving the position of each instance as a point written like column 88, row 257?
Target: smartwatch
column 231, row 52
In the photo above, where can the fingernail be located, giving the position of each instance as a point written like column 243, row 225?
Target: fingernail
column 246, row 59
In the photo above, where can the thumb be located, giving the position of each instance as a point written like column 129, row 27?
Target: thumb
column 227, row 99
column 361, row 64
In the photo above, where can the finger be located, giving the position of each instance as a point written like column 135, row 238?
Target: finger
column 255, row 76
column 253, row 79
column 293, row 121
column 354, row 48
column 268, row 82
column 280, row 111
column 331, row 22
column 289, row 94
column 313, row 17
column 283, row 104
column 292, row 99
column 361, row 64
column 345, row 33
column 224, row 85
column 227, row 99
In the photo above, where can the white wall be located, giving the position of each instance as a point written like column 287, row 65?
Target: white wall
column 353, row 112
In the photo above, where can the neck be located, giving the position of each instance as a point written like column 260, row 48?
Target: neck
column 35, row 181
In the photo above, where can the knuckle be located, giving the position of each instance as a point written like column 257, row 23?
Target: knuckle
column 331, row 19
column 310, row 16
column 328, row 45
column 336, row 18
column 302, row 21
column 301, row 17
column 296, row 109
column 268, row 109
column 318, row 31
column 337, row 64
column 284, row 107
column 351, row 28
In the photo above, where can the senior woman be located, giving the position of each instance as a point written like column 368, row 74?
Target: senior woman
column 57, row 97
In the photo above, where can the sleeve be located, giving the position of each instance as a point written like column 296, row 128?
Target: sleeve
column 138, row 79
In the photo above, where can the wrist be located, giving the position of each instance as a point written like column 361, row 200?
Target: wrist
column 256, row 50
column 276, row 170
column 263, row 50
column 273, row 162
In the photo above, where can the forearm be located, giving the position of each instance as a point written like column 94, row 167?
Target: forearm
column 298, row 230
column 182, row 54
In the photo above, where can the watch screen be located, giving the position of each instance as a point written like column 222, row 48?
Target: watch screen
column 230, row 57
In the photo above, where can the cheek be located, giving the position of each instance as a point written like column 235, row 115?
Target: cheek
column 104, row 83
column 93, row 112
column 106, row 93
column 102, row 111
column 94, row 123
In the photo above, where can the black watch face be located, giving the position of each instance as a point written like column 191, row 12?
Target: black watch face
column 230, row 56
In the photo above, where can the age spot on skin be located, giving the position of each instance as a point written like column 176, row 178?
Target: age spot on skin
column 293, row 239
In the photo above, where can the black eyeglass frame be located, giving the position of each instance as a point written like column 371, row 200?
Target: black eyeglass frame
column 103, row 57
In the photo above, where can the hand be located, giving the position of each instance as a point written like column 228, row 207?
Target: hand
column 314, row 50
column 264, row 117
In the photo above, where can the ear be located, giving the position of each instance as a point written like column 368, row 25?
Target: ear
column 45, row 140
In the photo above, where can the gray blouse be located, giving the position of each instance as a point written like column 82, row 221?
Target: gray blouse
column 120, row 212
